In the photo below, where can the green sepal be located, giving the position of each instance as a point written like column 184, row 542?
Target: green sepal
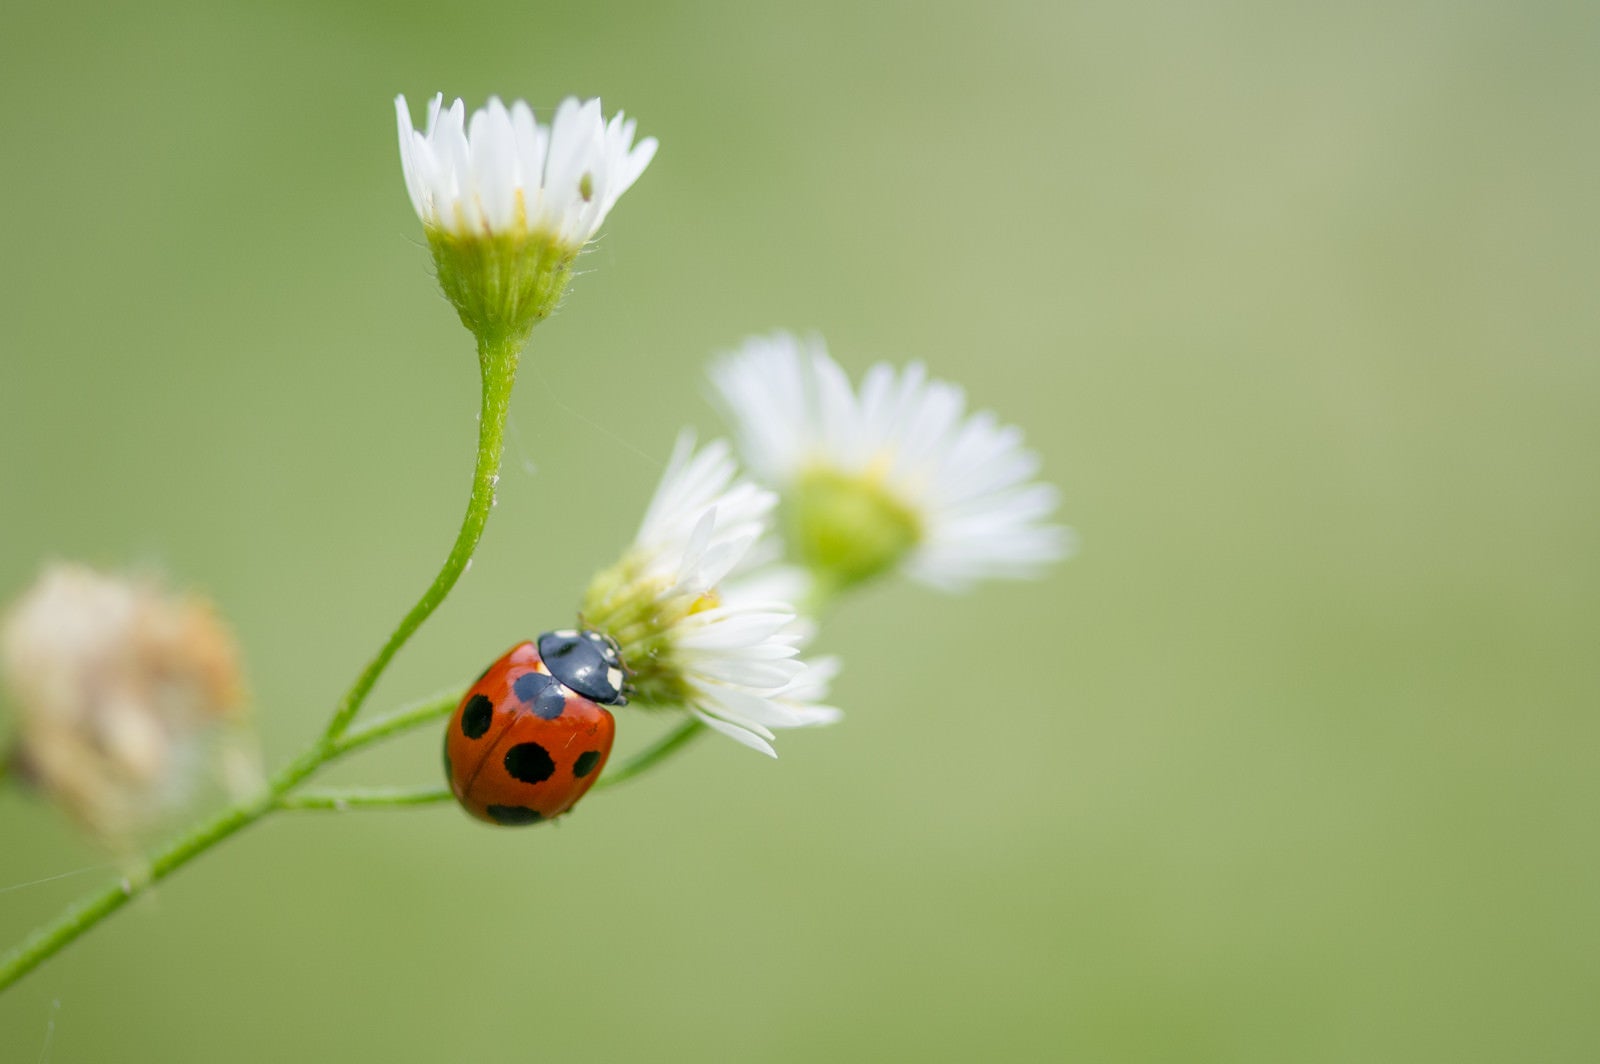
column 501, row 284
column 639, row 613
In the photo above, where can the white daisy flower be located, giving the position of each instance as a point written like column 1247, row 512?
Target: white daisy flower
column 725, row 650
column 503, row 173
column 507, row 203
column 895, row 475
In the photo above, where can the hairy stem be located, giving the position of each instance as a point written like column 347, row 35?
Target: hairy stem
column 497, row 361
column 342, row 799
column 86, row 913
column 280, row 794
column 663, row 748
column 401, row 720
column 83, row 915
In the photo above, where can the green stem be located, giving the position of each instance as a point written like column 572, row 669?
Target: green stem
column 346, row 798
column 339, row 800
column 78, row 918
column 83, row 915
column 497, row 362
column 403, row 719
column 824, row 591
column 664, row 747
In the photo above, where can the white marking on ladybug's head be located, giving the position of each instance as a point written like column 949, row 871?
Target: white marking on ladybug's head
column 614, row 678
column 566, row 633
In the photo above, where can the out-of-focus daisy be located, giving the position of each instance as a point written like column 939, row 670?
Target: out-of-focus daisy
column 507, row 203
column 895, row 475
column 725, row 650
column 124, row 697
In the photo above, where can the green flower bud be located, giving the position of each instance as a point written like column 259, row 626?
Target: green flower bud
column 501, row 284
column 848, row 528
column 641, row 612
column 508, row 203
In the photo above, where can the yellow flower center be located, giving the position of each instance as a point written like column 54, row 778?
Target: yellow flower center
column 849, row 527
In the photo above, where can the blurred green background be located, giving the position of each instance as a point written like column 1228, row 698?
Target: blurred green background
column 1296, row 301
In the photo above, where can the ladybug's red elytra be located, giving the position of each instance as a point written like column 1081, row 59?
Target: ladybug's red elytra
column 530, row 737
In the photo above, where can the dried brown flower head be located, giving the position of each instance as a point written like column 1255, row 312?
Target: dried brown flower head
column 124, row 696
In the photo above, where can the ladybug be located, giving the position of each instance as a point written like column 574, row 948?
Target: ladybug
column 530, row 737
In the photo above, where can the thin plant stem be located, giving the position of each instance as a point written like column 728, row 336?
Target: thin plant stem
column 663, row 748
column 401, row 720
column 280, row 794
column 339, row 800
column 497, row 361
column 497, row 364
column 346, row 798
column 87, row 912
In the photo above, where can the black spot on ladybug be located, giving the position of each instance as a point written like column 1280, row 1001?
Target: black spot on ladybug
column 540, row 693
column 585, row 763
column 552, row 702
column 512, row 815
column 529, row 762
column 477, row 715
column 530, row 685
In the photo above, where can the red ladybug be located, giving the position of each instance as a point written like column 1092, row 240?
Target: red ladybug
column 530, row 737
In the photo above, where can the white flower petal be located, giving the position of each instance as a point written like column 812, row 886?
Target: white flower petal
column 739, row 658
column 502, row 172
column 736, row 733
column 965, row 477
column 407, row 135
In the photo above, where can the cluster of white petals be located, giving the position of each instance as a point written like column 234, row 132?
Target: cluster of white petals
column 703, row 520
column 966, row 478
column 502, row 172
column 739, row 656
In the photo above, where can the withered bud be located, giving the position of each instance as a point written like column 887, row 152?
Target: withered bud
column 124, row 696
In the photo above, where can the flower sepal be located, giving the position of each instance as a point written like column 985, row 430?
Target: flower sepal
column 501, row 284
column 639, row 613
column 508, row 203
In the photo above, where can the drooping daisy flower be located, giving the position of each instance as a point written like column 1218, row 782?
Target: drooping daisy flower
column 507, row 203
column 895, row 475
column 691, row 637
column 124, row 695
column 503, row 173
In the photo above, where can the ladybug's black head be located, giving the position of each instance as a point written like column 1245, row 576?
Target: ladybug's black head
column 588, row 662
